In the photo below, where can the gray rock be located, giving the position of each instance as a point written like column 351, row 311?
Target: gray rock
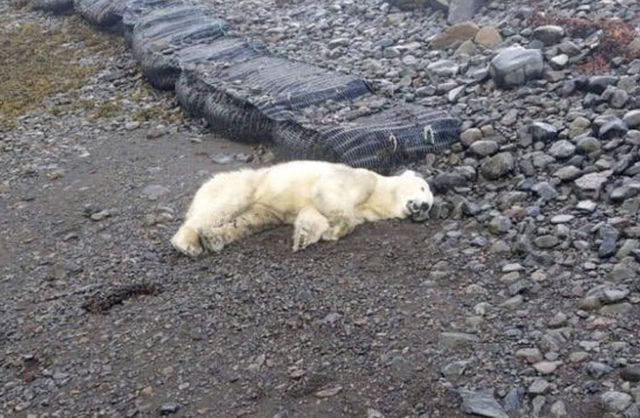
column 154, row 191
column 463, row 10
column 568, row 173
column 514, row 399
column 546, row 241
column 457, row 339
column 613, row 128
column 500, row 225
column 169, row 408
column 497, row 166
column 541, row 131
column 630, row 374
column 597, row 369
column 632, row 118
column 549, row 34
column 558, row 409
column 455, row 369
column 482, row 404
column 562, row 149
column 633, row 411
column 545, row 190
column 616, row 97
column 609, row 237
column 515, row 66
column 599, row 83
column 593, row 181
column 470, row 136
column 539, row 387
column 559, row 61
column 614, row 401
column 588, row 144
column 446, row 68
column 484, row 148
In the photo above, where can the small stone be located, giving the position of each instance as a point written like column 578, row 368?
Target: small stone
column 532, row 355
column 597, row 369
column 488, row 36
column 599, row 83
column 539, row 387
column 455, row 35
column 157, row 131
column 455, row 369
column 169, row 408
column 547, row 367
column 500, row 225
column 587, row 206
column 562, row 219
column 568, row 173
column 549, row 34
column 546, row 241
column 545, row 191
column 609, row 237
column 558, row 320
column 327, row 393
column 630, row 374
column 562, row 149
column 497, row 166
column 446, row 68
column 632, row 118
column 514, row 399
column 614, row 401
column 587, row 145
column 482, row 404
column 457, row 339
column 613, row 128
column 484, row 148
column 593, row 181
column 559, row 61
column 541, row 131
column 154, row 191
column 558, row 409
column 470, row 136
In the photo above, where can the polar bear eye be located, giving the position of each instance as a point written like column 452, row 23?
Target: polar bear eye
column 422, row 189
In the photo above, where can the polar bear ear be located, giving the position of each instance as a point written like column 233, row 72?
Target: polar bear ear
column 409, row 173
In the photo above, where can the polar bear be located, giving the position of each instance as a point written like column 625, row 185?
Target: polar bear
column 322, row 200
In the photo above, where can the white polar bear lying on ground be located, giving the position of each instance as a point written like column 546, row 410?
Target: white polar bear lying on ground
column 323, row 201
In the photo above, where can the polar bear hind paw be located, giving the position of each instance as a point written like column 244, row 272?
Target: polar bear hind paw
column 211, row 241
column 187, row 242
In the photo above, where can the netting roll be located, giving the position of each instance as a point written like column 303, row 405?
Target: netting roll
column 54, row 6
column 163, row 66
column 380, row 141
column 243, row 101
column 103, row 13
column 135, row 10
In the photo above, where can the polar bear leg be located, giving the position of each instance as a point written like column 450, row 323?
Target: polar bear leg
column 255, row 219
column 340, row 226
column 308, row 228
column 215, row 203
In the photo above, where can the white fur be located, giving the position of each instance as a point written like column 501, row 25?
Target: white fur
column 324, row 201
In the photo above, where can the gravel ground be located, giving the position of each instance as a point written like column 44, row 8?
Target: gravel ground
column 520, row 298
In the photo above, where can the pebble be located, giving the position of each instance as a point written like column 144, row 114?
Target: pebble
column 482, row 404
column 515, row 66
column 613, row 401
column 630, row 374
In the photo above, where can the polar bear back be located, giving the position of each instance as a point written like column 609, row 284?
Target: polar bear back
column 289, row 187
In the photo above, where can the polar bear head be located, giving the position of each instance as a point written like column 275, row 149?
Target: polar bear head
column 414, row 193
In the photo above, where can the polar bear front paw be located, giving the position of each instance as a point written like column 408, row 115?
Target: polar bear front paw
column 211, row 241
column 187, row 241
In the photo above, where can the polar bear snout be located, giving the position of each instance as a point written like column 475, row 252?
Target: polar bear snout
column 418, row 210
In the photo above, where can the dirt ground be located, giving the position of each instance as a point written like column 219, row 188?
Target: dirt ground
column 346, row 329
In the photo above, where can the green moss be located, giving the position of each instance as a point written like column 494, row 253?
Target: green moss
column 39, row 62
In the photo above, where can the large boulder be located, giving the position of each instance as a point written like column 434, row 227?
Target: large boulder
column 463, row 10
column 515, row 66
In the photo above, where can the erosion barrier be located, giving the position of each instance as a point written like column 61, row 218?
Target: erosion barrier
column 248, row 95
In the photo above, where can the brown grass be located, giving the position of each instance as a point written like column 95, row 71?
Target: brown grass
column 616, row 36
column 38, row 63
